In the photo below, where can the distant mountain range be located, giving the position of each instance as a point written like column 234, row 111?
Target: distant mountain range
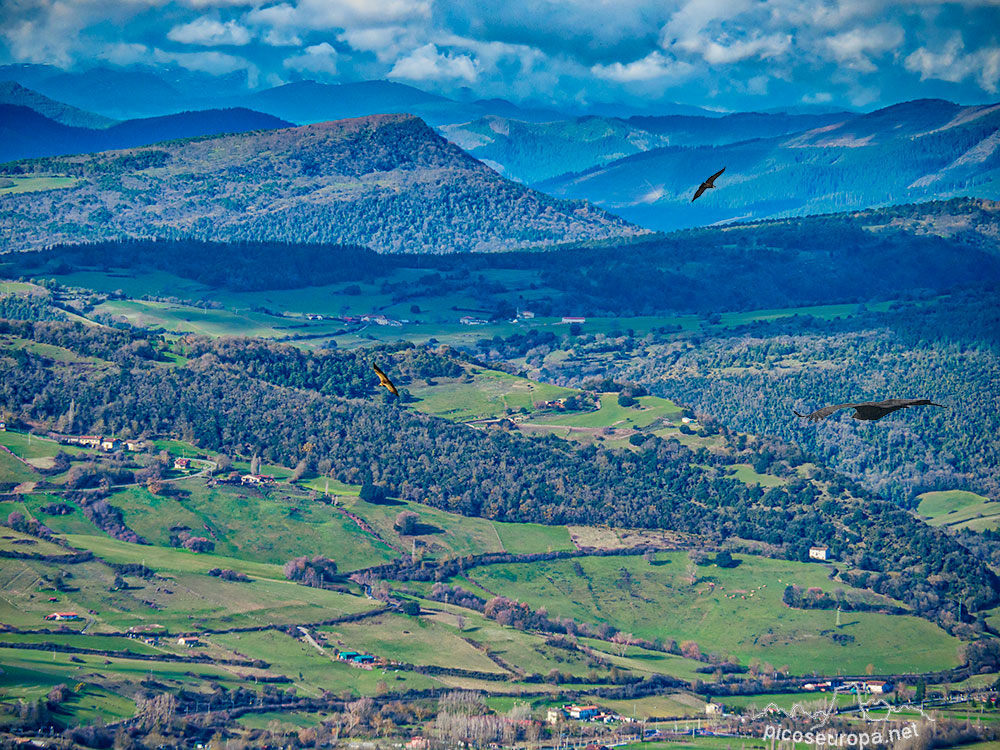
column 27, row 134
column 532, row 152
column 133, row 93
column 388, row 182
column 16, row 94
column 916, row 151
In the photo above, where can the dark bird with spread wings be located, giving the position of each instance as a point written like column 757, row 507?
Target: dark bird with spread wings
column 869, row 410
column 707, row 185
column 383, row 379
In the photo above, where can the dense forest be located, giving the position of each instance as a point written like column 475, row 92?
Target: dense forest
column 909, row 250
column 287, row 406
column 750, row 378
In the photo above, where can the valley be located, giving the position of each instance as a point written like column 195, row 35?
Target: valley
column 590, row 514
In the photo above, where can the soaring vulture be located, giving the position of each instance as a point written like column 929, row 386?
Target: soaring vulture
column 707, row 185
column 869, row 410
column 383, row 379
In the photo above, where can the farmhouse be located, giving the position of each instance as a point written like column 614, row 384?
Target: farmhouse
column 468, row 320
column 111, row 444
column 553, row 715
column 256, row 479
column 582, row 712
column 572, row 319
column 188, row 641
column 878, row 687
column 182, row 463
column 714, row 709
column 87, row 441
column 62, row 616
column 819, row 552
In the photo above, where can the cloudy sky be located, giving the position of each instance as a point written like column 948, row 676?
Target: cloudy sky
column 723, row 54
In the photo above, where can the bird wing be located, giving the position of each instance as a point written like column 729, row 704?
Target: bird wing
column 711, row 179
column 384, row 380
column 697, row 195
column 902, row 403
column 826, row 411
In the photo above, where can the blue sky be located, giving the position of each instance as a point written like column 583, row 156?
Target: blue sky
column 723, row 54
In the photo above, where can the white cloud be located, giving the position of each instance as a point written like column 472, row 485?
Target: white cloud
column 426, row 63
column 387, row 43
column 319, row 58
column 209, row 32
column 653, row 66
column 214, row 63
column 855, row 48
column 953, row 64
column 124, row 53
column 338, row 14
column 727, row 50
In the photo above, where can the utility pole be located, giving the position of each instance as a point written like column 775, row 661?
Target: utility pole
column 838, row 615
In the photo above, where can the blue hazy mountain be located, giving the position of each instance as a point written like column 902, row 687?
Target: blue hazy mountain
column 915, row 151
column 12, row 92
column 306, row 102
column 532, row 152
column 28, row 134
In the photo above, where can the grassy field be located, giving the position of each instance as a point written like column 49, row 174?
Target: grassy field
column 313, row 672
column 746, row 474
column 179, row 601
column 36, row 184
column 959, row 509
column 657, row 602
column 441, row 532
column 410, row 640
column 271, row 526
column 489, row 394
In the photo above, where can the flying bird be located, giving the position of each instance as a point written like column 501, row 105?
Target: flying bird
column 707, row 185
column 383, row 379
column 869, row 410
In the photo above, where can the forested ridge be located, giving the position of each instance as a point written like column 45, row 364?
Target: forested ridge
column 386, row 181
column 858, row 257
column 245, row 398
column 750, row 378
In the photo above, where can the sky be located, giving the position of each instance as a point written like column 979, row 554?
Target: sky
column 720, row 54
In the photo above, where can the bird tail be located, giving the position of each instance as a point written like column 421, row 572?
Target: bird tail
column 797, row 414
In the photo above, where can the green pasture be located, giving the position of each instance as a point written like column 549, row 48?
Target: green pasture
column 412, row 640
column 959, row 509
column 272, row 525
column 313, row 672
column 179, row 600
column 36, row 184
column 659, row 602
column 490, row 394
column 442, row 532
column 746, row 474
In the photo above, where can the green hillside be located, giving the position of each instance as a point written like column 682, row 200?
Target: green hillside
column 387, row 182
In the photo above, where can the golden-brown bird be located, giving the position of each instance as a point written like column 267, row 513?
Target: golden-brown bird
column 383, row 379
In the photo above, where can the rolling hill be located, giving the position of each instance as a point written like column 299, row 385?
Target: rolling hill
column 387, row 181
column 911, row 152
column 12, row 92
column 29, row 134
